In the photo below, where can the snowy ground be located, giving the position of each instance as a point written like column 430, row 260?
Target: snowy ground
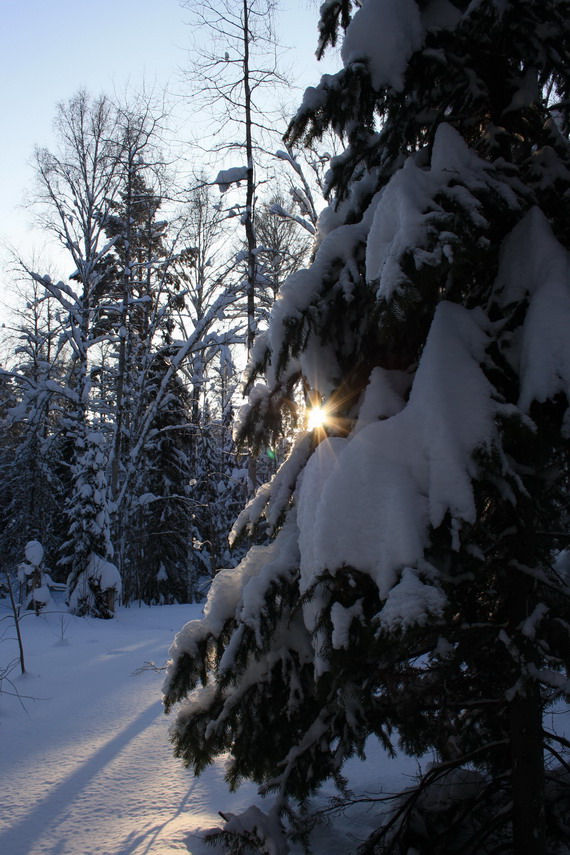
column 85, row 762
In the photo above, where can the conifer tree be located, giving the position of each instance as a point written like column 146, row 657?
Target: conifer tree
column 141, row 292
column 412, row 590
column 220, row 469
column 31, row 506
column 157, row 561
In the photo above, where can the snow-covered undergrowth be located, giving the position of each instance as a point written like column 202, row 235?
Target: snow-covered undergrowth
column 86, row 766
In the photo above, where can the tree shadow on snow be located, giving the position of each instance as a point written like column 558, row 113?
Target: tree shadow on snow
column 45, row 813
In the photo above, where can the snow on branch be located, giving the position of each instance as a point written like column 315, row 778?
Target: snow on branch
column 226, row 177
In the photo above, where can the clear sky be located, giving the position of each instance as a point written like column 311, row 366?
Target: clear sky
column 51, row 48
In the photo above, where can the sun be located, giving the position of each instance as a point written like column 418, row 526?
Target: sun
column 316, row 418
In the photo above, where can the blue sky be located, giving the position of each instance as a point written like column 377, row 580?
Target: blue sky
column 51, row 48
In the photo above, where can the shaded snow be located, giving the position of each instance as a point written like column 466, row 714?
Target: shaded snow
column 342, row 618
column 389, row 481
column 353, row 487
column 405, row 211
column 102, row 573
column 536, row 267
column 87, row 769
column 384, row 395
column 34, row 552
column 410, row 602
column 106, row 573
column 384, row 33
column 226, row 177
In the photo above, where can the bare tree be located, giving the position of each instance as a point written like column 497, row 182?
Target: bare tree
column 232, row 76
column 284, row 246
column 208, row 275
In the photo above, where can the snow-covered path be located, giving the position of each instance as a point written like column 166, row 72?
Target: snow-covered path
column 86, row 767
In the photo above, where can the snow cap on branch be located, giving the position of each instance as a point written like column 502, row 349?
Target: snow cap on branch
column 384, row 34
column 226, row 177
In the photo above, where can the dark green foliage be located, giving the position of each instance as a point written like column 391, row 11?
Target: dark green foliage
column 157, row 562
column 299, row 670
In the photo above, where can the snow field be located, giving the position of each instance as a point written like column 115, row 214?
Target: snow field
column 86, row 767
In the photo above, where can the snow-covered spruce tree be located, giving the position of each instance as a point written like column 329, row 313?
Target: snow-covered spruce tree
column 89, row 545
column 220, row 488
column 411, row 590
column 33, row 578
column 156, row 559
column 32, row 491
column 142, row 296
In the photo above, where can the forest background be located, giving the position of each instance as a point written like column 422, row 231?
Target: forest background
column 172, row 125
column 406, row 577
column 49, row 52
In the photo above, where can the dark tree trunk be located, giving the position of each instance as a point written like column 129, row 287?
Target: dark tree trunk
column 525, row 708
column 527, row 756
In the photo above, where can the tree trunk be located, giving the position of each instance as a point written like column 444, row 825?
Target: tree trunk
column 248, row 221
column 16, row 616
column 525, row 708
column 250, row 190
column 527, row 757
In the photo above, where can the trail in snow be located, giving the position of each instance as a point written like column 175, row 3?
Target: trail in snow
column 86, row 767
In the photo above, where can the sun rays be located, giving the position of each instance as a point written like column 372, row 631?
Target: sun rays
column 316, row 417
